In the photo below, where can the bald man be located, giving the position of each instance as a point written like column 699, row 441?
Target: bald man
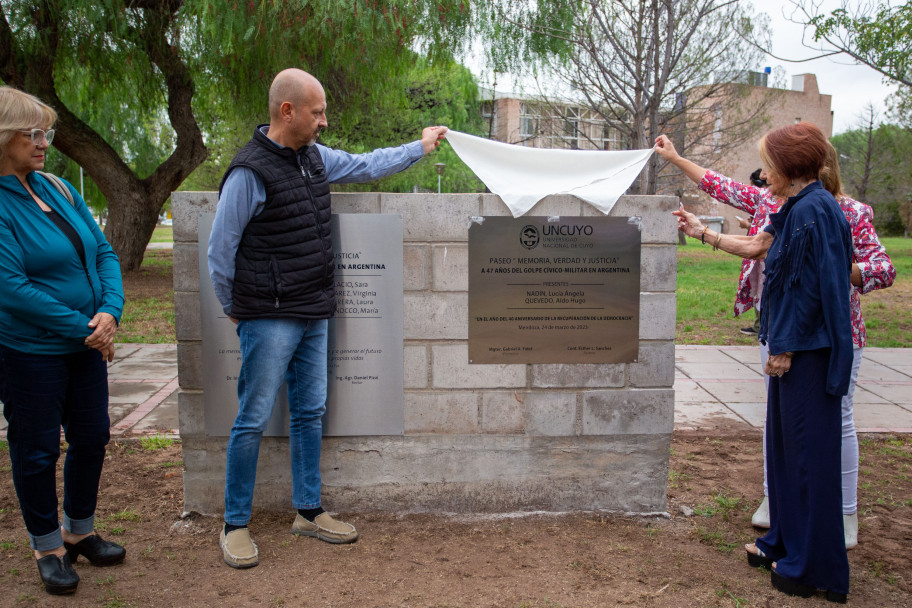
column 271, row 264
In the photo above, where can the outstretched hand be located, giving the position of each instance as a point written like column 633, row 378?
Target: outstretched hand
column 431, row 137
column 665, row 148
column 688, row 222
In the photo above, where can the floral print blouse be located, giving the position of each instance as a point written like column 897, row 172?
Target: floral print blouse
column 877, row 270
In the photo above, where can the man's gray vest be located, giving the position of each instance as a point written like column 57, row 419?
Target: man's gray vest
column 284, row 263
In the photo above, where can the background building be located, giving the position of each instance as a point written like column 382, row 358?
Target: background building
column 803, row 102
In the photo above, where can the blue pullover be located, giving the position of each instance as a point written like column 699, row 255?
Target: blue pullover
column 47, row 297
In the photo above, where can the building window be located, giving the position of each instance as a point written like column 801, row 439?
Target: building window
column 489, row 114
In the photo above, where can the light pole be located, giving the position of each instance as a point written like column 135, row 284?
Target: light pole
column 439, row 167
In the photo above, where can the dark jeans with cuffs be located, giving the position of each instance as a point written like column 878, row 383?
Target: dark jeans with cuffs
column 41, row 394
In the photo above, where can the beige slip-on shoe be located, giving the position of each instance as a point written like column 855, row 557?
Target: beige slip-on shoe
column 325, row 528
column 238, row 550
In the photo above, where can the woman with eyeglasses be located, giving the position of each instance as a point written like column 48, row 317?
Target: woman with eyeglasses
column 61, row 297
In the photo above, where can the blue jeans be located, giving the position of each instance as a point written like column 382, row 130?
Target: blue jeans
column 272, row 350
column 40, row 394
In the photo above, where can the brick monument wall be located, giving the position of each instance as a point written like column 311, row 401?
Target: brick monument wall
column 478, row 438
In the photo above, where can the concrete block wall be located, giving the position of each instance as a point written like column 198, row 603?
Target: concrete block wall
column 478, row 438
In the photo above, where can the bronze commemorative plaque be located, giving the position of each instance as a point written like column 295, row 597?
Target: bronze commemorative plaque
column 554, row 289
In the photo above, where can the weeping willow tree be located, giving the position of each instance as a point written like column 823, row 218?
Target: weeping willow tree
column 144, row 88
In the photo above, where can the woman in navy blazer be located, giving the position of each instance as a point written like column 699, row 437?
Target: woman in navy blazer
column 805, row 321
column 61, row 298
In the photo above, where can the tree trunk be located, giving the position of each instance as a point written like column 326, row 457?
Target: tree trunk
column 133, row 203
column 132, row 217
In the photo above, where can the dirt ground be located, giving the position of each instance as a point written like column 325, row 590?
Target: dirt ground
column 693, row 557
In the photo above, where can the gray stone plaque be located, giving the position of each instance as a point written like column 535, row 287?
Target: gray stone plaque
column 554, row 289
column 365, row 385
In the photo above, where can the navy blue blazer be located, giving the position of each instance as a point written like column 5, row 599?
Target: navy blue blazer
column 806, row 293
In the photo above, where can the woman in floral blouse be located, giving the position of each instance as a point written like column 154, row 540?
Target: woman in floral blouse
column 872, row 269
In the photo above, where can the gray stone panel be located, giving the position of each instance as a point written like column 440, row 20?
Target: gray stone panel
column 356, row 202
column 457, row 473
column 436, row 316
column 658, row 268
column 551, row 414
column 186, row 208
column 658, row 226
column 186, row 267
column 555, row 205
column 497, row 473
column 655, row 366
column 432, row 217
column 503, row 412
column 453, row 412
column 628, row 412
column 191, row 416
column 416, row 366
column 187, row 322
column 451, row 267
column 559, row 375
column 451, row 369
column 190, row 365
column 416, row 267
column 657, row 316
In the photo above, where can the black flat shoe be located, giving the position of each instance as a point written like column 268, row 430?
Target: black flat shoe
column 793, row 587
column 98, row 551
column 755, row 560
column 790, row 586
column 836, row 598
column 57, row 574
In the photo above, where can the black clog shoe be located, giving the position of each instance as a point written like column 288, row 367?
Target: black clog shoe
column 98, row 551
column 57, row 574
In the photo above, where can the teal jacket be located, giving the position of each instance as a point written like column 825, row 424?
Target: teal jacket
column 47, row 297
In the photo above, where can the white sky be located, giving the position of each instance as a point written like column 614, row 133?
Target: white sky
column 851, row 85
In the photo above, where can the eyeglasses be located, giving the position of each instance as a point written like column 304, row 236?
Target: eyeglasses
column 39, row 135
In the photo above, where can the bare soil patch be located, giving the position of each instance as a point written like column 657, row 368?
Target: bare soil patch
column 692, row 558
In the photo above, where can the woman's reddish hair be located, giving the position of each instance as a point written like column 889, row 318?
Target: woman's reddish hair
column 797, row 151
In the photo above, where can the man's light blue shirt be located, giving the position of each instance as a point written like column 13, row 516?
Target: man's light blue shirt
column 244, row 196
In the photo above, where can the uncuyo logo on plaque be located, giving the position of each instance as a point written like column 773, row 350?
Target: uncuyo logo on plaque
column 529, row 237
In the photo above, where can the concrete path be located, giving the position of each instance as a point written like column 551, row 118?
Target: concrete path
column 717, row 389
column 723, row 388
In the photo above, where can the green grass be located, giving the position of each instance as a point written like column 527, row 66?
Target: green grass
column 148, row 315
column 155, row 442
column 162, row 234
column 708, row 281
column 148, row 321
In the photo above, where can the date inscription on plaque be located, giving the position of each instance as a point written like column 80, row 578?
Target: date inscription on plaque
column 554, row 289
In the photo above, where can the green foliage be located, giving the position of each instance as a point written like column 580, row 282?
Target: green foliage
column 142, row 86
column 876, row 165
column 431, row 93
column 879, row 35
column 378, row 61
